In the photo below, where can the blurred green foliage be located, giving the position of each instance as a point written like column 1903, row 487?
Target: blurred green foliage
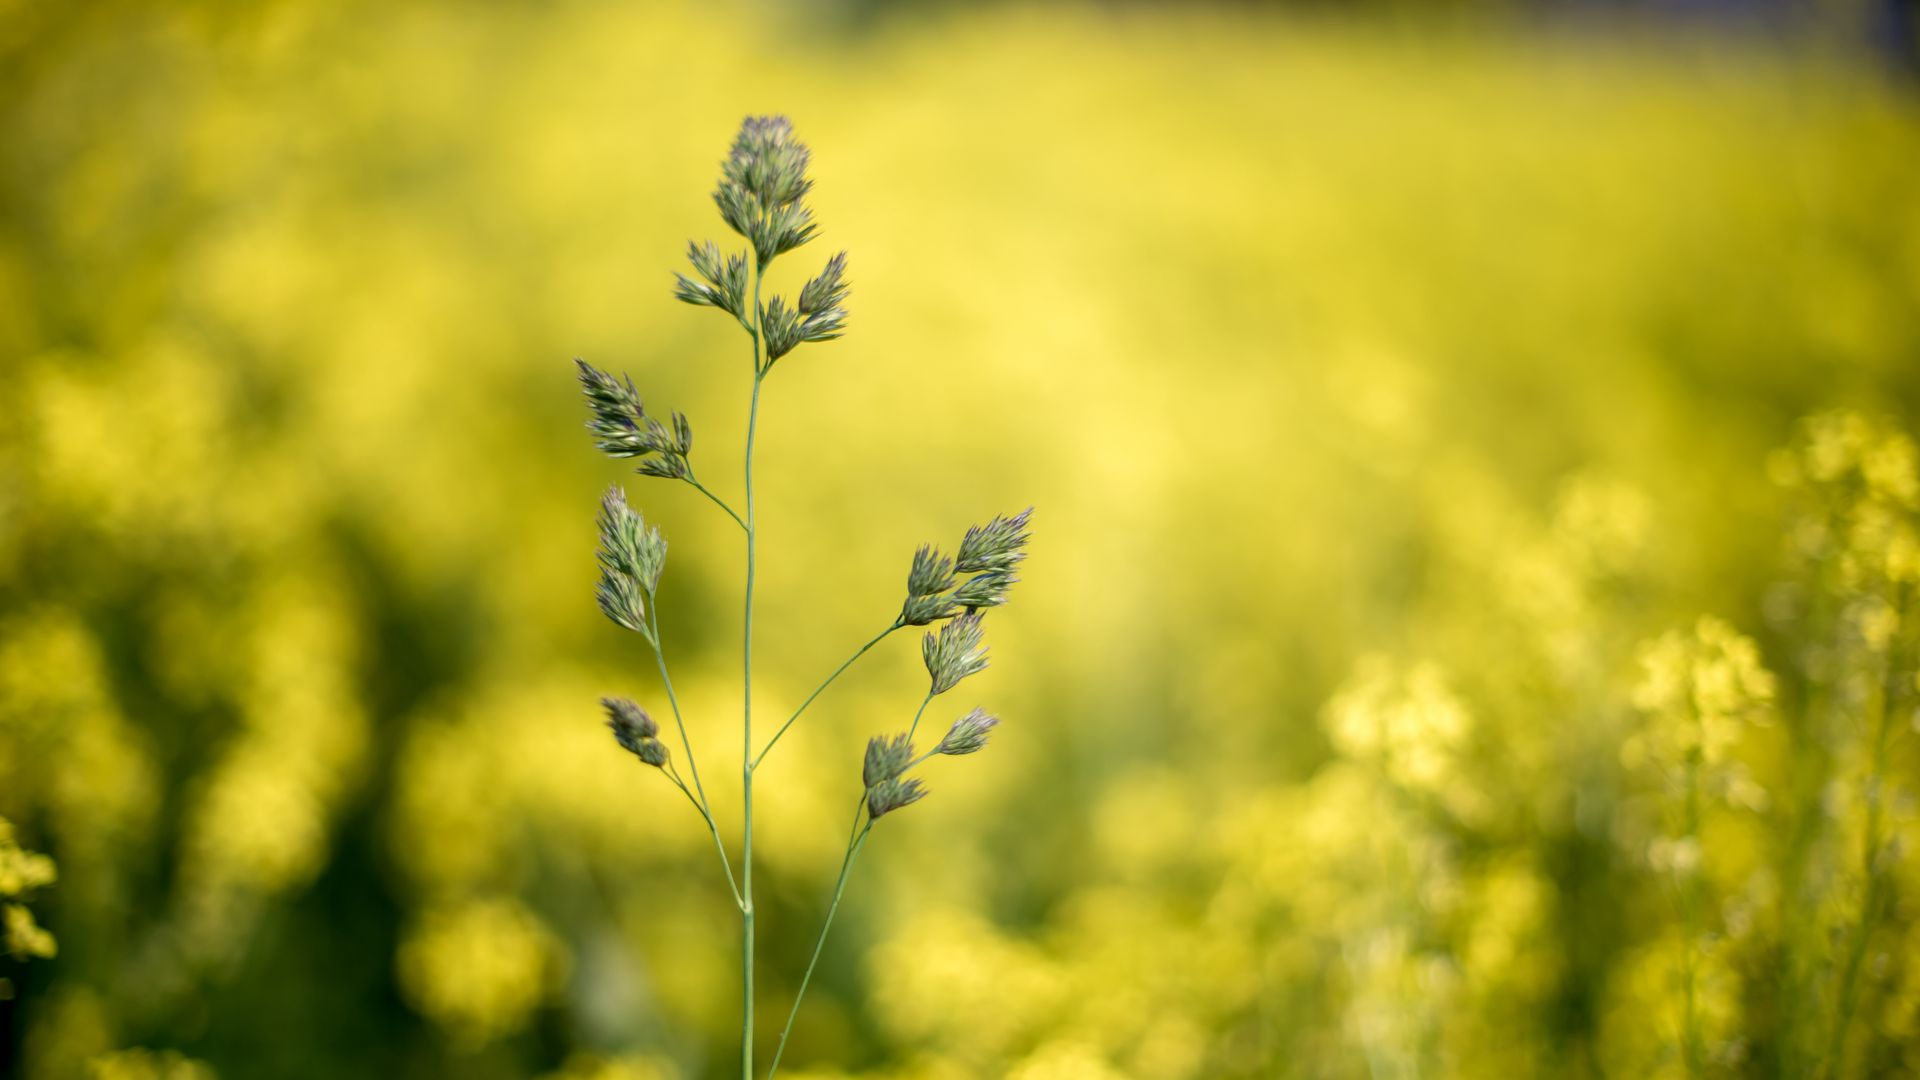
column 1396, row 407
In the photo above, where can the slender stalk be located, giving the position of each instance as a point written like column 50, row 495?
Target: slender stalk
column 855, row 839
column 746, row 719
column 674, row 776
column 717, row 501
column 701, row 804
column 918, row 713
column 660, row 661
column 862, row 651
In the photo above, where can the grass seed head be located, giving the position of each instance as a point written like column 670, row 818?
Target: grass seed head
column 985, row 591
column 886, row 759
column 954, row 652
column 762, row 183
column 621, row 427
column 723, row 281
column 928, row 580
column 620, row 599
column 824, row 293
column 890, row 795
column 931, row 573
column 1000, row 544
column 635, row 731
column 969, row 733
column 779, row 328
column 619, row 417
column 820, row 302
column 632, row 555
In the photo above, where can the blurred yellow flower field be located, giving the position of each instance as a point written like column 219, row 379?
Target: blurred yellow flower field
column 1471, row 628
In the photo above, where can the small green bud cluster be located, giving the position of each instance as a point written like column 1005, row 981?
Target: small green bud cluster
column 622, row 428
column 989, row 552
column 632, row 554
column 635, row 731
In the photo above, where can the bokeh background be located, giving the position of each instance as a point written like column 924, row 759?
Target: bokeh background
column 1467, row 631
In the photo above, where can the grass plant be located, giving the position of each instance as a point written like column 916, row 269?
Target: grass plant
column 762, row 197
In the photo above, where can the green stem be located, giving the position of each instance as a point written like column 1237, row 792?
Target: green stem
column 746, row 720
column 711, row 827
column 702, row 489
column 660, row 661
column 924, row 702
column 817, row 691
column 701, row 804
column 854, row 842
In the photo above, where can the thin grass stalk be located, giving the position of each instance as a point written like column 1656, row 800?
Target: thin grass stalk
column 862, row 651
column 701, row 804
column 856, row 837
column 746, row 718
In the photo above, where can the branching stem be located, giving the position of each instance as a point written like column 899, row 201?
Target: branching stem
column 674, row 775
column 701, row 804
column 666, row 681
column 856, row 837
column 862, row 651
column 717, row 501
column 918, row 713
